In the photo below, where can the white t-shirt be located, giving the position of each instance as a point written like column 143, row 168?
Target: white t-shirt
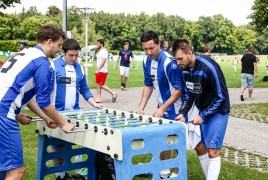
column 103, row 53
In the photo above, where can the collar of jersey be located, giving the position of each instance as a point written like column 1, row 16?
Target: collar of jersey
column 38, row 47
column 63, row 63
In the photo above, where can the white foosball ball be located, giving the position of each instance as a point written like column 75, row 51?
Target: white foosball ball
column 122, row 135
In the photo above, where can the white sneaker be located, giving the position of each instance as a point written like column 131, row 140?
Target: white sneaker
column 249, row 99
column 173, row 175
column 165, row 173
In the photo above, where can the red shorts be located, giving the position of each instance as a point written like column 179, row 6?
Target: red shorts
column 100, row 78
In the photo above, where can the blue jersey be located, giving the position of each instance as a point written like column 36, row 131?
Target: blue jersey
column 22, row 76
column 70, row 82
column 165, row 76
column 125, row 57
column 206, row 86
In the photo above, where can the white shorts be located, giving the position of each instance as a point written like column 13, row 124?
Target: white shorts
column 124, row 71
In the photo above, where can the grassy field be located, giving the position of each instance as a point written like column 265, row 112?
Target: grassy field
column 136, row 75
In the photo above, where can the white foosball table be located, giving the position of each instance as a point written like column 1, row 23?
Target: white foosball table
column 122, row 135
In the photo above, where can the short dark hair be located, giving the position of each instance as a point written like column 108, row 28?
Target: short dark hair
column 126, row 43
column 251, row 49
column 206, row 48
column 70, row 44
column 149, row 35
column 50, row 31
column 183, row 44
column 101, row 41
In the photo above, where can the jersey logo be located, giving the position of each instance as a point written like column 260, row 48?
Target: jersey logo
column 68, row 81
column 194, row 87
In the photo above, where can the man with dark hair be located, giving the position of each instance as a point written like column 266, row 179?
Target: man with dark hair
column 124, row 57
column 70, row 82
column 24, row 75
column 162, row 74
column 249, row 64
column 22, row 44
column 206, row 87
column 102, row 72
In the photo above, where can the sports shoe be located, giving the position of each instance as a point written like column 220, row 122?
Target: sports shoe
column 249, row 98
column 241, row 97
column 164, row 174
column 122, row 88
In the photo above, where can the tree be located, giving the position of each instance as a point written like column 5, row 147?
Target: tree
column 259, row 15
column 53, row 11
column 8, row 3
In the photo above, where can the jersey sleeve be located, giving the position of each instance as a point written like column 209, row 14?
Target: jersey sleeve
column 43, row 79
column 174, row 75
column 147, row 78
column 83, row 88
column 215, row 81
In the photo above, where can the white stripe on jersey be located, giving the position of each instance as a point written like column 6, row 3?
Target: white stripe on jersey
column 54, row 91
column 70, row 88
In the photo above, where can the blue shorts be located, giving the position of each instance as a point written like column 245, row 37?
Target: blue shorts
column 247, row 80
column 213, row 130
column 10, row 144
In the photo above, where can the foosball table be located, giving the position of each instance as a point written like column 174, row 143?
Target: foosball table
column 120, row 134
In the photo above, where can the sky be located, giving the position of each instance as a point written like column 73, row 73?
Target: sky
column 234, row 10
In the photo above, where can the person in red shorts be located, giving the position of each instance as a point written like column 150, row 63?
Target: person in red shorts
column 102, row 72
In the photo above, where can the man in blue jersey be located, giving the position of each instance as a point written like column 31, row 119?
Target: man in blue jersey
column 207, row 88
column 22, row 76
column 162, row 74
column 70, row 82
column 124, row 57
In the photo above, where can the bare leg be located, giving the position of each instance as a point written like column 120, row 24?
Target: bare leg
column 125, row 80
column 15, row 174
column 242, row 90
column 122, row 78
column 106, row 88
column 57, row 162
column 98, row 93
column 250, row 92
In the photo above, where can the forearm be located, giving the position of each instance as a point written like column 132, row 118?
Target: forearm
column 174, row 97
column 92, row 102
column 51, row 112
column 256, row 68
column 146, row 94
column 33, row 106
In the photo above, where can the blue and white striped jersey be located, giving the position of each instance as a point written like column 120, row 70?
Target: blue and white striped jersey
column 21, row 77
column 70, row 82
column 165, row 76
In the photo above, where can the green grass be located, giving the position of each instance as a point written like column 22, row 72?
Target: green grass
column 229, row 171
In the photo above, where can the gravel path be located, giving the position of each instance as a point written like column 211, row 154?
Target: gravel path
column 241, row 133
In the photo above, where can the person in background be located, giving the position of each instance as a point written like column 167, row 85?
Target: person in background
column 235, row 62
column 166, row 47
column 249, row 64
column 102, row 72
column 22, row 44
column 124, row 57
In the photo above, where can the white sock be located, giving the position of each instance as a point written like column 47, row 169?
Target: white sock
column 204, row 161
column 61, row 174
column 214, row 168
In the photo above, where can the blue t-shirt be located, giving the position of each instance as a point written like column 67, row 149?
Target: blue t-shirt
column 70, row 82
column 22, row 76
column 125, row 57
column 165, row 76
